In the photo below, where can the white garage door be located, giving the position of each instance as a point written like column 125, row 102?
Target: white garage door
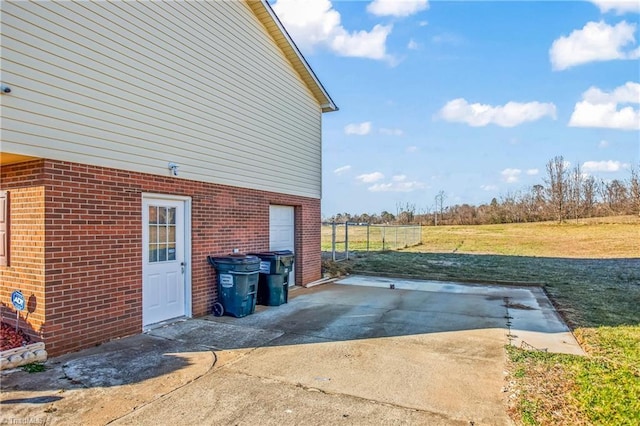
column 282, row 231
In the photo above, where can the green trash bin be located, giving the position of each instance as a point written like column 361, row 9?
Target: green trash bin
column 273, row 285
column 237, row 278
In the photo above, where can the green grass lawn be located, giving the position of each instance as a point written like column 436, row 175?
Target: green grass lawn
column 613, row 237
column 591, row 272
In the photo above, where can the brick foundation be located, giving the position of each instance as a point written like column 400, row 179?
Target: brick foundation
column 76, row 241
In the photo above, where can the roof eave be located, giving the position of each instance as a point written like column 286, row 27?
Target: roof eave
column 263, row 11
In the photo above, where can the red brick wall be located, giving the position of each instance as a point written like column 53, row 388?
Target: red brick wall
column 93, row 247
column 93, row 256
column 26, row 269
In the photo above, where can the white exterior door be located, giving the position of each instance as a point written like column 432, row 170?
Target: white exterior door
column 282, row 232
column 165, row 255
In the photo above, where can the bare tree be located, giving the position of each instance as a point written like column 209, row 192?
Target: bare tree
column 405, row 214
column 440, row 197
column 510, row 207
column 556, row 180
column 423, row 215
column 539, row 201
column 634, row 190
column 589, row 195
column 575, row 191
column 614, row 195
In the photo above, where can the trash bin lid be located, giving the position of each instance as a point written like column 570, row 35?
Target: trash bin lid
column 233, row 260
column 272, row 254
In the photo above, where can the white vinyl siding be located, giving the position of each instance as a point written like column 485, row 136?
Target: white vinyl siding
column 135, row 85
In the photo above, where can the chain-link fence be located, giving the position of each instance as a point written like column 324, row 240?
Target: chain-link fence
column 340, row 238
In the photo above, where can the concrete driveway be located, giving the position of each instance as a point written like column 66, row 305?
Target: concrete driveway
column 357, row 352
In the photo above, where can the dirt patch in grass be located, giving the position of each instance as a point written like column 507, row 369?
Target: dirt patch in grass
column 333, row 269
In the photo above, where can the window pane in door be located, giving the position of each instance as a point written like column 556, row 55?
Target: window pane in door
column 153, row 253
column 171, row 215
column 162, row 252
column 153, row 214
column 162, row 215
column 162, row 234
column 153, row 234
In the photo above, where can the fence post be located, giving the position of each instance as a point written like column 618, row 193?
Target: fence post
column 346, row 239
column 333, row 241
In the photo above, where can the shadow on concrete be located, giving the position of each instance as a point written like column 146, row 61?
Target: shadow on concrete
column 33, row 400
column 120, row 362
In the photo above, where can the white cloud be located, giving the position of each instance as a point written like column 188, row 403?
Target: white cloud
column 412, row 148
column 341, row 170
column 604, row 110
column 603, row 166
column 391, row 132
column 489, row 187
column 370, row 177
column 508, row 115
column 398, row 183
column 533, row 172
column 603, row 144
column 413, row 45
column 396, row 7
column 448, row 38
column 359, row 129
column 618, row 6
column 363, row 44
column 314, row 23
column 511, row 175
column 423, row 23
column 629, row 93
column 397, row 186
column 596, row 41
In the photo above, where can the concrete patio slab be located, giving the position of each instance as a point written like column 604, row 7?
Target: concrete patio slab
column 533, row 321
column 356, row 352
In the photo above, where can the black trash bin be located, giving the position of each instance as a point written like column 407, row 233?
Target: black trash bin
column 273, row 286
column 237, row 278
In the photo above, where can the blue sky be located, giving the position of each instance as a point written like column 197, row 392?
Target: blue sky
column 469, row 98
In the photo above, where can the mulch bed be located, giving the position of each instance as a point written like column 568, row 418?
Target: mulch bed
column 10, row 338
